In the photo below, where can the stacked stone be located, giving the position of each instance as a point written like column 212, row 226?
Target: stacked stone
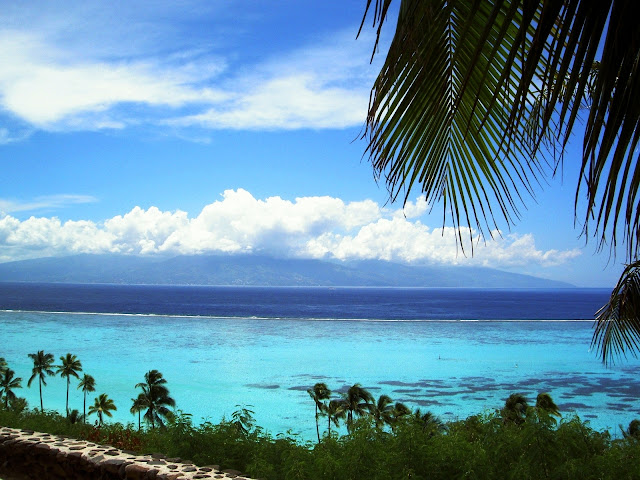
column 43, row 456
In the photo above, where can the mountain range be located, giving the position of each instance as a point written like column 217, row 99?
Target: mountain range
column 258, row 270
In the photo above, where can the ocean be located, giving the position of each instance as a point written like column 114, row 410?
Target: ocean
column 454, row 352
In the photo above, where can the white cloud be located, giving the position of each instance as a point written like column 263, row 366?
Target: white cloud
column 48, row 82
column 307, row 227
column 44, row 88
column 44, row 202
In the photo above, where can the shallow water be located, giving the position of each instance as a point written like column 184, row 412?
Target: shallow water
column 453, row 369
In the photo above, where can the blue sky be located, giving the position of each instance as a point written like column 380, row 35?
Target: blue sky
column 225, row 127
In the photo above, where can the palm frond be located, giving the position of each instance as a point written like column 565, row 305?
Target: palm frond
column 617, row 326
column 472, row 93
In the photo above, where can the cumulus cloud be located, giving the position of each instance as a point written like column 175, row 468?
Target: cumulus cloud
column 306, row 227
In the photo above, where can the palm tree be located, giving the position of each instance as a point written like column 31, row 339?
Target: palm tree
column 336, row 410
column 358, row 401
column 156, row 396
column 319, row 393
column 3, row 364
column 400, row 410
column 70, row 367
column 102, row 405
column 42, row 366
column 476, row 102
column 87, row 384
column 74, row 416
column 382, row 411
column 7, row 384
column 428, row 421
column 632, row 431
column 139, row 404
column 545, row 403
column 515, row 409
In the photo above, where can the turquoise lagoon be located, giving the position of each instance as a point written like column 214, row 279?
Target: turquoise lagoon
column 213, row 364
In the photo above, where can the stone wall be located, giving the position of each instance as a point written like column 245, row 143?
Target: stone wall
column 34, row 455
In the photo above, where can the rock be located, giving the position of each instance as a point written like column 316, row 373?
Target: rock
column 136, row 472
column 112, row 465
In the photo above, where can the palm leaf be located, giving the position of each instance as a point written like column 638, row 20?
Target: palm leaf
column 471, row 92
column 617, row 327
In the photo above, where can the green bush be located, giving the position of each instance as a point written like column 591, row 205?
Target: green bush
column 479, row 447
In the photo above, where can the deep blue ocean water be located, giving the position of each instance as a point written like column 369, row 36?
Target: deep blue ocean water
column 455, row 352
column 308, row 302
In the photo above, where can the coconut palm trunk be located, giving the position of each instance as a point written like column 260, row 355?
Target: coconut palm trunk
column 41, row 404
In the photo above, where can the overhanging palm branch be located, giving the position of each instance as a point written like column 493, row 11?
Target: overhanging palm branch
column 450, row 112
column 617, row 327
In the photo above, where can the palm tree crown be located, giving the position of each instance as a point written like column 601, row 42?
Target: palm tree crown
column 358, row 401
column 383, row 411
column 87, row 384
column 156, row 396
column 139, row 404
column 336, row 410
column 69, row 367
column 102, row 405
column 42, row 367
column 7, row 384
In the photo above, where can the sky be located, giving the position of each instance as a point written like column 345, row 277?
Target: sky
column 210, row 127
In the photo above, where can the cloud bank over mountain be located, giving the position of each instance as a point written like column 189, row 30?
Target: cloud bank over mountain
column 306, row 227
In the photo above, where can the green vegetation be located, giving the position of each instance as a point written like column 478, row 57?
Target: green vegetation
column 87, row 384
column 383, row 440
column 155, row 398
column 102, row 405
column 42, row 366
column 7, row 383
column 419, row 446
column 69, row 367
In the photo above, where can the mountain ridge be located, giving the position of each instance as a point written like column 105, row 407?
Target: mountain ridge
column 257, row 270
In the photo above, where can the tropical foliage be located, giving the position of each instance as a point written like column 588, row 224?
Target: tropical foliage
column 102, row 405
column 69, row 367
column 42, row 367
column 8, row 382
column 480, row 446
column 475, row 104
column 138, row 405
column 87, row 384
column 357, row 402
column 156, row 399
column 319, row 393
